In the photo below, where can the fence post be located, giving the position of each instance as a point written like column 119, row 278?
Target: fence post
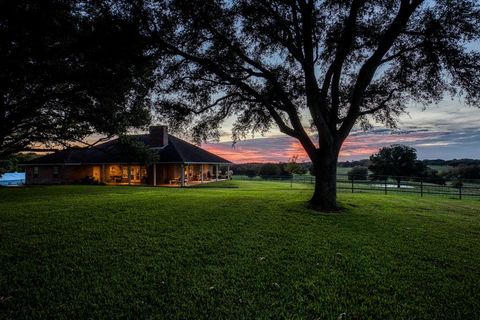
column 421, row 188
column 353, row 179
column 460, row 192
column 386, row 178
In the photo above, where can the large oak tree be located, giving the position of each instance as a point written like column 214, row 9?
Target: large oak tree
column 68, row 69
column 305, row 65
column 314, row 69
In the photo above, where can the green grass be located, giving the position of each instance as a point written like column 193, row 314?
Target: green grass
column 235, row 250
column 440, row 168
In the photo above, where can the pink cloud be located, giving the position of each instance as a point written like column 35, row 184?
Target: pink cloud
column 358, row 145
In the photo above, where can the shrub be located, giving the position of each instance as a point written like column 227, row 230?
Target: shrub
column 358, row 173
column 87, row 180
column 269, row 170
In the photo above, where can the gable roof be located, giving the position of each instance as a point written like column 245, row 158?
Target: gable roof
column 176, row 151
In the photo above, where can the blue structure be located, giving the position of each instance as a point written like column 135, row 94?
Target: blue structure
column 12, row 179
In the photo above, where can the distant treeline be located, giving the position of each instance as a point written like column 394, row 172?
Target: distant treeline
column 255, row 168
column 452, row 163
column 354, row 163
column 434, row 162
column 264, row 169
column 453, row 169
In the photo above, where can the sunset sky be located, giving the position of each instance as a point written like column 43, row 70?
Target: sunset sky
column 445, row 131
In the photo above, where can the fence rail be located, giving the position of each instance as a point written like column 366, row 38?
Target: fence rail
column 388, row 185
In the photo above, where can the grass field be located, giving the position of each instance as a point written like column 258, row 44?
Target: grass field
column 235, row 249
column 470, row 188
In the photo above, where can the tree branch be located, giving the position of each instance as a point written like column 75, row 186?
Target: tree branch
column 367, row 71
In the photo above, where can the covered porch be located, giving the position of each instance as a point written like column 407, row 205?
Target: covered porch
column 159, row 174
column 186, row 174
column 121, row 174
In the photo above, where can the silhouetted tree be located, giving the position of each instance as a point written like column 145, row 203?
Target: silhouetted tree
column 463, row 172
column 431, row 176
column 136, row 151
column 68, row 69
column 396, row 161
column 269, row 170
column 305, row 64
column 358, row 173
column 293, row 167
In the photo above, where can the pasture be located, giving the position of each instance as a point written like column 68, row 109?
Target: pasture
column 235, row 249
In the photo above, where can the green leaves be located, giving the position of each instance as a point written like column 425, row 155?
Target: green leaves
column 84, row 71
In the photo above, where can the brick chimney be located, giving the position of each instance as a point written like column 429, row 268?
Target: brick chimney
column 158, row 136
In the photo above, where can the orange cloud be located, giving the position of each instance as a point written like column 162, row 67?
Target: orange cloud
column 357, row 146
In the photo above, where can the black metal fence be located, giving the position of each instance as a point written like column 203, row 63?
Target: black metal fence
column 421, row 186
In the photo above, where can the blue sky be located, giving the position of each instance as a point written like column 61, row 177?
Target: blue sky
column 446, row 131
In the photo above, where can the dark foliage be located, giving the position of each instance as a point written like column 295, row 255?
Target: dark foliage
column 358, row 173
column 396, row 161
column 463, row 172
column 430, row 175
column 270, row 170
column 247, row 169
column 87, row 181
column 354, row 163
column 10, row 163
column 68, row 69
column 136, row 151
column 452, row 163
column 345, row 63
column 294, row 167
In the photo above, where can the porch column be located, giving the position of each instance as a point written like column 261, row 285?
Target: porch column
column 129, row 175
column 154, row 174
column 216, row 172
column 103, row 173
column 182, row 175
column 228, row 172
column 201, row 173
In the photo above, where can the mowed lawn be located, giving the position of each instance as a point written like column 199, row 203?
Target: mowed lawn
column 235, row 249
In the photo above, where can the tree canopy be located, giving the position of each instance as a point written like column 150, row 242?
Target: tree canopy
column 314, row 69
column 68, row 69
column 396, row 161
column 342, row 61
column 358, row 173
column 293, row 167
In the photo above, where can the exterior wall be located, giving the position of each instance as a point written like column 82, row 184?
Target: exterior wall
column 66, row 174
column 118, row 173
column 166, row 173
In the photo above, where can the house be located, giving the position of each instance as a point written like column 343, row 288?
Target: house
column 177, row 163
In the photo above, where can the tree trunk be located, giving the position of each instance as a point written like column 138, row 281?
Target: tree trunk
column 325, row 195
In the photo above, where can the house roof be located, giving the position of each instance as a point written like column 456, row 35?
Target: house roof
column 176, row 151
